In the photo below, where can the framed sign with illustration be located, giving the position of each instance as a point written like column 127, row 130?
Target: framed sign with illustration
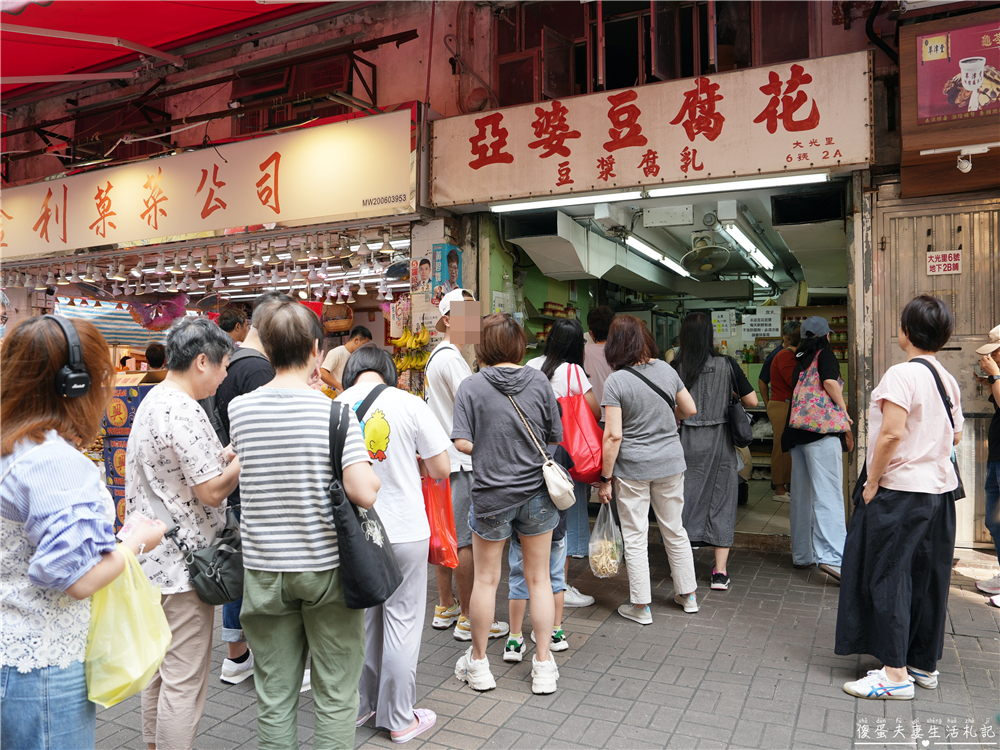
column 766, row 345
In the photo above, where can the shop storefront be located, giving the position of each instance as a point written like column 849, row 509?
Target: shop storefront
column 935, row 225
column 325, row 213
column 737, row 193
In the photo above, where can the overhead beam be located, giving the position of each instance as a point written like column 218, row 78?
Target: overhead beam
column 55, row 78
column 114, row 41
column 330, row 50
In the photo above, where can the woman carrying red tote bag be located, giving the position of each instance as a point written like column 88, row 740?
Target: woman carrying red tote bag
column 582, row 436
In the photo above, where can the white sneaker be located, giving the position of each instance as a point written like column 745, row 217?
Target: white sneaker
column 559, row 640
column 544, row 675
column 445, row 617
column 877, row 686
column 463, row 629
column 990, row 585
column 306, row 681
column 641, row 616
column 233, row 673
column 476, row 673
column 573, row 598
column 689, row 602
column 785, row 498
column 926, row 680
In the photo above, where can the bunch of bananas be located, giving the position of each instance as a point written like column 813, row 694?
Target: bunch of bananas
column 411, row 340
column 411, row 360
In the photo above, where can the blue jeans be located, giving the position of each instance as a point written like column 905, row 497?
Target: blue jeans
column 816, row 515
column 578, row 523
column 993, row 502
column 557, row 569
column 46, row 709
column 232, row 631
column 535, row 517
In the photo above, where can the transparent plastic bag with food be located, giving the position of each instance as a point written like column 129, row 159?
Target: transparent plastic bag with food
column 605, row 545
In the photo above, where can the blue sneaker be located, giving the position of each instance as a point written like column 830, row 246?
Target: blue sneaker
column 877, row 686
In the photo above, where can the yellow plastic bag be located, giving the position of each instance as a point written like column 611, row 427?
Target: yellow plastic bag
column 128, row 637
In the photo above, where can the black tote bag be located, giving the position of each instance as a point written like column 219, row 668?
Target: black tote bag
column 368, row 567
column 739, row 422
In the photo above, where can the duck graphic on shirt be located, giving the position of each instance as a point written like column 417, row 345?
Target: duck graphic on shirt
column 376, row 434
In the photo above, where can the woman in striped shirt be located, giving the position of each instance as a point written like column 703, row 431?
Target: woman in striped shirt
column 293, row 597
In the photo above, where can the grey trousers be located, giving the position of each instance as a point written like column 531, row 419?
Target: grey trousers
column 392, row 644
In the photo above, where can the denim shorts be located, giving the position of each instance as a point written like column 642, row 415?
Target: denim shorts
column 537, row 516
column 557, row 569
column 46, row 707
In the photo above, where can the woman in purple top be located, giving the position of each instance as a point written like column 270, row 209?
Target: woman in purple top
column 57, row 535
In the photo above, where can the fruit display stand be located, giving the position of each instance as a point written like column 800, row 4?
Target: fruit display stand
column 412, row 353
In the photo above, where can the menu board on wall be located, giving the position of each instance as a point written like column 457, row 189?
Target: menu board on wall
column 765, row 324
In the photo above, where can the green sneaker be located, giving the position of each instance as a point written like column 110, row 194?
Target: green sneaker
column 559, row 640
column 514, row 650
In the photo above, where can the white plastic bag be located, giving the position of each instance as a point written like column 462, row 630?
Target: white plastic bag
column 605, row 545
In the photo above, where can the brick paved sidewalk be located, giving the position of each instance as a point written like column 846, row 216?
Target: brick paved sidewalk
column 754, row 668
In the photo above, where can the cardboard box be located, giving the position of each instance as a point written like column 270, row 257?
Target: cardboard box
column 130, row 389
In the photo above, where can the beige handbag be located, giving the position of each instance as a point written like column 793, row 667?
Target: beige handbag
column 557, row 480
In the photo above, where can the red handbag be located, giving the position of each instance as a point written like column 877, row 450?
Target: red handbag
column 444, row 541
column 582, row 436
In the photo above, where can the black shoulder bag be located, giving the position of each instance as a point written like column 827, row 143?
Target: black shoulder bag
column 368, row 567
column 959, row 492
column 216, row 572
column 739, row 421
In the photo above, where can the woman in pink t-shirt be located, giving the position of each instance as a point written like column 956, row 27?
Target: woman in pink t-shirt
column 897, row 559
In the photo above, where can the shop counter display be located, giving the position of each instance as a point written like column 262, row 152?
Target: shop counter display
column 130, row 389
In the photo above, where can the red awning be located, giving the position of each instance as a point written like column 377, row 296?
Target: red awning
column 164, row 25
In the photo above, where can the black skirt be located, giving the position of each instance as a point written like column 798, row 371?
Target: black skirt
column 895, row 578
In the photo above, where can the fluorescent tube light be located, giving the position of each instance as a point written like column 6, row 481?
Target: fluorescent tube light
column 649, row 252
column 576, row 200
column 743, row 241
column 760, row 282
column 723, row 187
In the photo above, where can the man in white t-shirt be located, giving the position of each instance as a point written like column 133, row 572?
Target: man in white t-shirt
column 332, row 369
column 444, row 372
column 596, row 366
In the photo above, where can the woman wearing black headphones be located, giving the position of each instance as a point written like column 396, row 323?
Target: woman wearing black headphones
column 56, row 535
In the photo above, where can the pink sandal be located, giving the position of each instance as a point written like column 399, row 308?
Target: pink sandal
column 425, row 720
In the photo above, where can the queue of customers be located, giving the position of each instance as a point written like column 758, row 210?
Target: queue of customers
column 666, row 446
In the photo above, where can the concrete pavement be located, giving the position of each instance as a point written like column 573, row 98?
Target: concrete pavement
column 754, row 668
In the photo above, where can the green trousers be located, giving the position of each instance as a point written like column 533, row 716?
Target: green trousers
column 286, row 616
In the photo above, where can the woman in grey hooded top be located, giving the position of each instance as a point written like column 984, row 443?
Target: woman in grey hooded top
column 494, row 411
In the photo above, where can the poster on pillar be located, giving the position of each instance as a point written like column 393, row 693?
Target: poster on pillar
column 359, row 168
column 447, row 271
column 808, row 115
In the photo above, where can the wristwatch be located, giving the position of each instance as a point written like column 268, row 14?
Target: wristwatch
column 991, row 379
column 605, row 480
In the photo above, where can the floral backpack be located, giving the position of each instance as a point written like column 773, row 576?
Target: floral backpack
column 812, row 408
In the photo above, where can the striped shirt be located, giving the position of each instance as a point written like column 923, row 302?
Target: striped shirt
column 282, row 438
